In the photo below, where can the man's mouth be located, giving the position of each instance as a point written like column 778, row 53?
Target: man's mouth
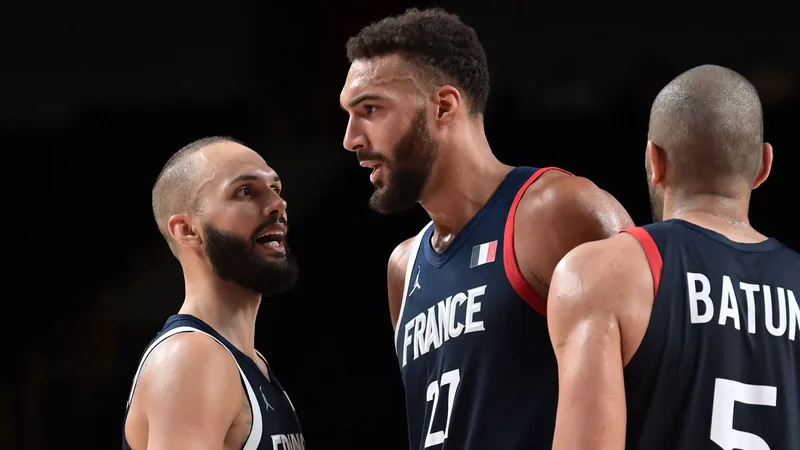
column 272, row 238
column 376, row 167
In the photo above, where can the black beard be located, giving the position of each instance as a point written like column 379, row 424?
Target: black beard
column 409, row 171
column 239, row 261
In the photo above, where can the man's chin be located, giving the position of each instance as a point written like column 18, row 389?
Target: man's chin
column 275, row 262
column 274, row 277
column 383, row 204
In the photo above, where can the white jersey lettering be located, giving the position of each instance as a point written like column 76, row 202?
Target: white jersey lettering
column 780, row 313
column 432, row 328
column 293, row 441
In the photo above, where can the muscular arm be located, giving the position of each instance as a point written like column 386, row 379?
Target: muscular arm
column 396, row 277
column 596, row 313
column 556, row 214
column 190, row 392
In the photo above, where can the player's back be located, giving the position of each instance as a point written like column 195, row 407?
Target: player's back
column 474, row 353
column 719, row 365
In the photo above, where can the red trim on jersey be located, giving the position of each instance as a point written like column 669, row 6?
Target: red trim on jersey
column 651, row 251
column 510, row 263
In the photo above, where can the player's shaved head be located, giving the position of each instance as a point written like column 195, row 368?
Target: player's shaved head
column 709, row 122
column 176, row 186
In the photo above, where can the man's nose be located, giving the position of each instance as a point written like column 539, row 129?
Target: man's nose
column 276, row 206
column 354, row 138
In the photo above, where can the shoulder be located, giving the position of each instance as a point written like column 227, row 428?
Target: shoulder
column 573, row 200
column 593, row 261
column 599, row 276
column 556, row 214
column 191, row 349
column 189, row 394
column 190, row 369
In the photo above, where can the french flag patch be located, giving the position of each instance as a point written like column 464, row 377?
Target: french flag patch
column 483, row 254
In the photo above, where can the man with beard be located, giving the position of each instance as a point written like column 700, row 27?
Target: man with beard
column 683, row 334
column 467, row 294
column 201, row 384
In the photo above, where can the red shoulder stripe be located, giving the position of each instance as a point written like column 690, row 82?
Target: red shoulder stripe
column 510, row 263
column 651, row 251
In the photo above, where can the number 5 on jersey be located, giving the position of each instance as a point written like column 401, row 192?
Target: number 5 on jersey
column 726, row 394
column 451, row 380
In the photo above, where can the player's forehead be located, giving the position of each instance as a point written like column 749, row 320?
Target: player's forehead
column 225, row 162
column 389, row 77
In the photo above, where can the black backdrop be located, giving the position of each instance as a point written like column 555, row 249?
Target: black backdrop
column 96, row 96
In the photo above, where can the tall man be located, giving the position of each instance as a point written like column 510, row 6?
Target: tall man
column 467, row 294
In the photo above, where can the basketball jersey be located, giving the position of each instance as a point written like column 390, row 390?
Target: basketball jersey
column 472, row 339
column 275, row 425
column 719, row 364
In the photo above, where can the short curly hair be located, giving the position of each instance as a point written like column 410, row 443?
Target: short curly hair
column 445, row 48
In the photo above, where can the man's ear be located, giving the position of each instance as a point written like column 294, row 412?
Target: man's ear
column 657, row 159
column 766, row 165
column 183, row 231
column 448, row 103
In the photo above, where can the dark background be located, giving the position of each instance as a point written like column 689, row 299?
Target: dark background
column 96, row 97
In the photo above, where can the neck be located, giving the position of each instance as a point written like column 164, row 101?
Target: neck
column 726, row 215
column 464, row 178
column 227, row 307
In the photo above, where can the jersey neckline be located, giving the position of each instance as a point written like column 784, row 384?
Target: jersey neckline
column 439, row 259
column 763, row 246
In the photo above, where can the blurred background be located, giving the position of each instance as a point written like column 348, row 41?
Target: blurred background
column 96, row 96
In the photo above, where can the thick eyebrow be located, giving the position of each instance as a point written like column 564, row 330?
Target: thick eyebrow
column 360, row 99
column 250, row 177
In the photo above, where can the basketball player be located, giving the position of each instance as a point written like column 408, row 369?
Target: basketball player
column 201, row 384
column 467, row 294
column 684, row 334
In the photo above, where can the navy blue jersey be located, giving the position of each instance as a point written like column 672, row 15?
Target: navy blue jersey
column 719, row 365
column 275, row 425
column 472, row 339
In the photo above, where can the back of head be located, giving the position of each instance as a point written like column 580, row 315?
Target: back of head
column 709, row 122
column 174, row 189
column 438, row 44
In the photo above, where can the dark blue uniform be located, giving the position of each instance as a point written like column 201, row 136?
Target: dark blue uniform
column 275, row 425
column 719, row 365
column 472, row 339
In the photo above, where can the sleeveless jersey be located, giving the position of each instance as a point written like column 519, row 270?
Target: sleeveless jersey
column 719, row 364
column 472, row 338
column 275, row 425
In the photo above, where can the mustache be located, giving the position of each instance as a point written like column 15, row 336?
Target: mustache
column 368, row 155
column 269, row 222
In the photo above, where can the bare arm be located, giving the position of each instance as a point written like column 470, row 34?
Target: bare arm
column 396, row 278
column 558, row 215
column 592, row 296
column 191, row 393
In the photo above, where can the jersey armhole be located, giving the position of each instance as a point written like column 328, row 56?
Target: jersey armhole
column 412, row 258
column 256, row 428
column 652, row 253
column 513, row 273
